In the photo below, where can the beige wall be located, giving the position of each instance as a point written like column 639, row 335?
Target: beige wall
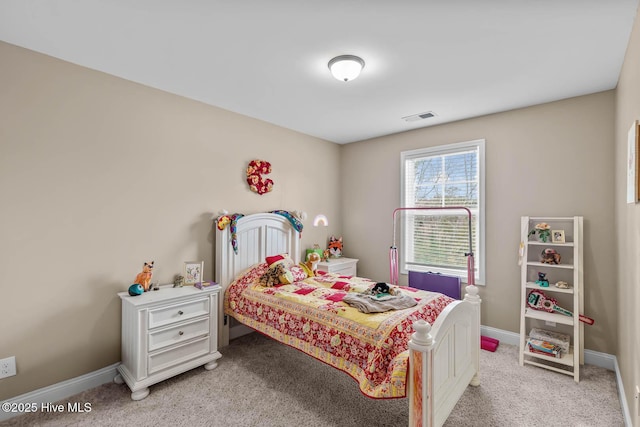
column 98, row 175
column 627, row 218
column 549, row 160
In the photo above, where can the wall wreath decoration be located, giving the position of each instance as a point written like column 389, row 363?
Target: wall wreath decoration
column 255, row 170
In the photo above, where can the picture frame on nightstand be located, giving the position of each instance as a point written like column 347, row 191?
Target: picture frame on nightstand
column 193, row 272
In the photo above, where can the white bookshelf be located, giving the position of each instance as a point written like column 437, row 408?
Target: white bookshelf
column 570, row 270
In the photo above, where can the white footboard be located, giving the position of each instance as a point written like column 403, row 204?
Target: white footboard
column 444, row 360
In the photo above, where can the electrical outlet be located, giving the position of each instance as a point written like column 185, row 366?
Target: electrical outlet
column 8, row 367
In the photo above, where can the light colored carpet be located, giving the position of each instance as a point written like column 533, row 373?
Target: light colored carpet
column 262, row 383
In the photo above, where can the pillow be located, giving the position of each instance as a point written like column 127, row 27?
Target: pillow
column 284, row 259
column 298, row 273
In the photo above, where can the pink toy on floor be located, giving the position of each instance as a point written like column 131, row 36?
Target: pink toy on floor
column 489, row 344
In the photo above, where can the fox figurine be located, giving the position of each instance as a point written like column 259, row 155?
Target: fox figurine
column 144, row 278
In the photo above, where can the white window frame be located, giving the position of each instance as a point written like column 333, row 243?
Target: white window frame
column 479, row 254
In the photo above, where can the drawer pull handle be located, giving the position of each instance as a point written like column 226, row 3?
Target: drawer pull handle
column 180, row 333
column 180, row 312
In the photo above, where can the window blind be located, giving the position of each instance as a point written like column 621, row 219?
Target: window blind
column 442, row 177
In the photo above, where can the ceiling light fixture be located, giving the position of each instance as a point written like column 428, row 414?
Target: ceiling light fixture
column 346, row 67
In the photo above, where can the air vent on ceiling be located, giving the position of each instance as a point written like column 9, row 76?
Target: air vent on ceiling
column 416, row 117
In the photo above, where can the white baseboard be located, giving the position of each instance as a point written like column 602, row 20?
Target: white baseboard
column 64, row 389
column 623, row 398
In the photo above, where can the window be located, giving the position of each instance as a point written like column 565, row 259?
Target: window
column 444, row 176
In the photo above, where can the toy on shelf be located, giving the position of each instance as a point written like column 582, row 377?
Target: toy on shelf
column 144, row 278
column 539, row 301
column 544, row 347
column 556, row 338
column 550, row 256
column 542, row 280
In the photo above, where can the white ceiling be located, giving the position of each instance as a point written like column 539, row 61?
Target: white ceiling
column 268, row 59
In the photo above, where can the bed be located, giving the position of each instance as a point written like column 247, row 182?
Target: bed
column 428, row 352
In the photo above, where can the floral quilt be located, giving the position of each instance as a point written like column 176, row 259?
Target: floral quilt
column 310, row 316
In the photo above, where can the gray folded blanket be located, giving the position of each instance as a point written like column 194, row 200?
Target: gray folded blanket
column 369, row 304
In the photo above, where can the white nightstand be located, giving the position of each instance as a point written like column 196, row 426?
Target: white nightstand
column 165, row 333
column 343, row 266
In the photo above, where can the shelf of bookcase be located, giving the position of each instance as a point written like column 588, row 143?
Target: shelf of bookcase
column 542, row 264
column 550, row 288
column 536, row 243
column 548, row 317
column 566, row 359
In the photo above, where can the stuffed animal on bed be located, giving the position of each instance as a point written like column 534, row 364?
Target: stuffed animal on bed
column 312, row 262
column 282, row 270
column 274, row 276
column 382, row 288
column 279, row 273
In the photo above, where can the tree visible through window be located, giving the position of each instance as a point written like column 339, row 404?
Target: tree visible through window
column 444, row 176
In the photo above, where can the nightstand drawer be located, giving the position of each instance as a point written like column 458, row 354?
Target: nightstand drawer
column 347, row 270
column 341, row 266
column 175, row 356
column 183, row 332
column 178, row 312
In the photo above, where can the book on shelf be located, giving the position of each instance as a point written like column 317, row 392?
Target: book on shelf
column 204, row 285
column 544, row 347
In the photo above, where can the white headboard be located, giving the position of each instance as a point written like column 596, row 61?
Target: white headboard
column 258, row 236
